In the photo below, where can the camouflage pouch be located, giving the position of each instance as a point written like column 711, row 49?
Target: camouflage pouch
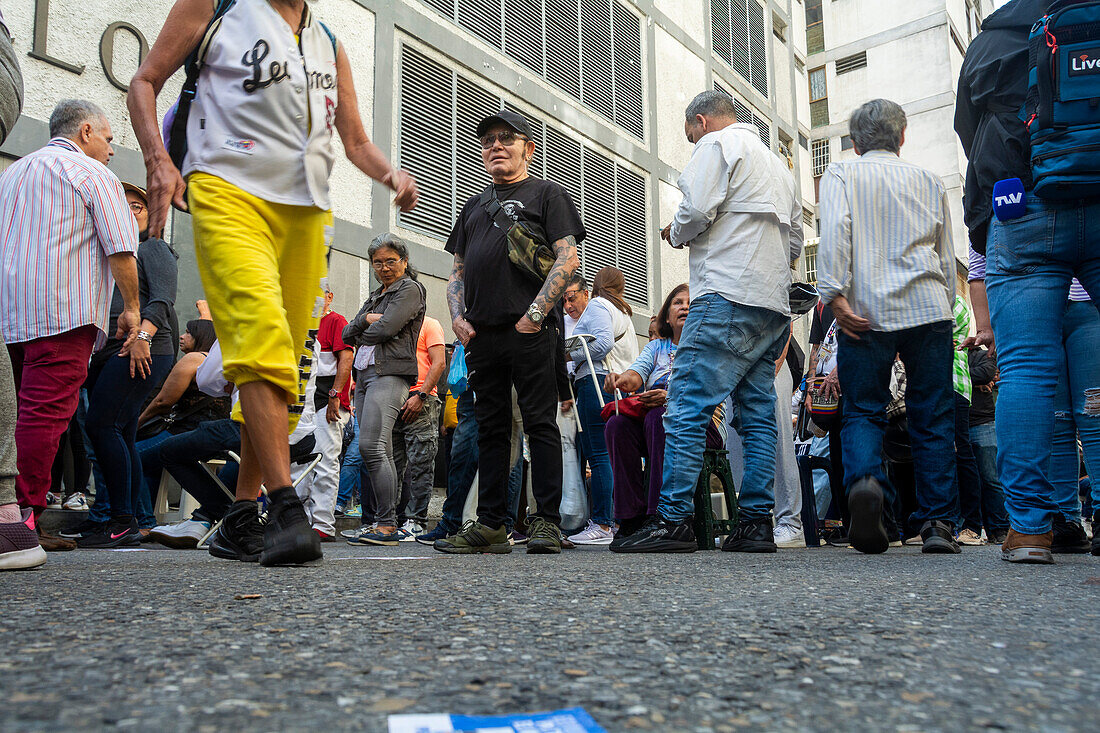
column 528, row 250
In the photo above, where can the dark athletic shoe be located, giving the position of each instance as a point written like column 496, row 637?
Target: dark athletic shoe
column 1069, row 537
column 938, row 538
column 867, row 533
column 112, row 535
column 288, row 538
column 81, row 528
column 544, row 538
column 438, row 533
column 627, row 528
column 754, row 535
column 240, row 536
column 19, row 548
column 660, row 535
column 996, row 536
column 475, row 538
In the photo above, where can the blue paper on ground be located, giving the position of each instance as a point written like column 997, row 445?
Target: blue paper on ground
column 573, row 720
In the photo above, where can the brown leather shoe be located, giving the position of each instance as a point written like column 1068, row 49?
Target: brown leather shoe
column 1027, row 548
column 52, row 543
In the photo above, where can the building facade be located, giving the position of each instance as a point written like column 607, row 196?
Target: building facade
column 910, row 52
column 604, row 83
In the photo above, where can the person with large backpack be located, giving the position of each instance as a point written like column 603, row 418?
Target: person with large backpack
column 266, row 84
column 1029, row 121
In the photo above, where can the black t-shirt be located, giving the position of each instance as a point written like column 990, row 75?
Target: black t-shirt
column 497, row 292
column 823, row 319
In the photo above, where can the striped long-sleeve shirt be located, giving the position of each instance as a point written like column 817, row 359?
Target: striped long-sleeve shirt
column 61, row 215
column 886, row 241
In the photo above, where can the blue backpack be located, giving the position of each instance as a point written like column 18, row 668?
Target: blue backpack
column 1062, row 107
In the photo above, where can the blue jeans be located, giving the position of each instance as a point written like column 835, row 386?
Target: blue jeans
column 115, row 401
column 1081, row 336
column 1031, row 261
column 725, row 349
column 463, row 464
column 351, row 470
column 594, row 445
column 984, row 440
column 181, row 453
column 151, row 466
column 865, row 367
column 515, row 490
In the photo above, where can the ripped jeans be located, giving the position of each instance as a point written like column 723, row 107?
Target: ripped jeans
column 1081, row 371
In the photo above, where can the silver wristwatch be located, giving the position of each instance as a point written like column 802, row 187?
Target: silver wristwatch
column 535, row 314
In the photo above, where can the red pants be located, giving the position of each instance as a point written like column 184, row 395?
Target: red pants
column 48, row 374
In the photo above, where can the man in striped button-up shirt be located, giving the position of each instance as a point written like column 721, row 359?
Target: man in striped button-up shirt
column 887, row 269
column 66, row 238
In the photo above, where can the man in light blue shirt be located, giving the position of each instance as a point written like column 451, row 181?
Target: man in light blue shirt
column 886, row 266
column 741, row 220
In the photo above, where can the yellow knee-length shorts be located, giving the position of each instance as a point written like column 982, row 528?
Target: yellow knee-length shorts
column 261, row 266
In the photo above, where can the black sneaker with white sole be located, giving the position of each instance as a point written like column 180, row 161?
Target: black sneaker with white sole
column 113, row 534
column 81, row 528
column 660, row 535
column 240, row 536
column 288, row 537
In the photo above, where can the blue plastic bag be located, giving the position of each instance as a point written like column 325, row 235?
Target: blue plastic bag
column 457, row 376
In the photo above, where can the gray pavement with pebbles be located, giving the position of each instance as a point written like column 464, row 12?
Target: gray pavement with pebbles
column 821, row 639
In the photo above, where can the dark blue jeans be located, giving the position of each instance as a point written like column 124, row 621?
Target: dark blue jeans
column 984, row 440
column 969, row 485
column 594, row 445
column 181, row 453
column 1081, row 335
column 150, row 481
column 865, row 366
column 115, row 401
column 463, row 464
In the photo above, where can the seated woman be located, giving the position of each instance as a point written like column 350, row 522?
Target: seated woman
column 179, row 406
column 630, row 440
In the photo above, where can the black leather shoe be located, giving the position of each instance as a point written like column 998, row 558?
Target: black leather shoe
column 938, row 537
column 754, row 535
column 1069, row 537
column 660, row 535
column 868, row 533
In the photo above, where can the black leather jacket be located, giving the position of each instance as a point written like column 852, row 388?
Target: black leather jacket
column 394, row 335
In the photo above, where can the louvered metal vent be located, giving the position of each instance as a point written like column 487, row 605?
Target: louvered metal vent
column 851, row 63
column 738, row 37
column 591, row 49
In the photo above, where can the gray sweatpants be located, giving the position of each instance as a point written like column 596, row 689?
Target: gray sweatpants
column 8, row 468
column 378, row 402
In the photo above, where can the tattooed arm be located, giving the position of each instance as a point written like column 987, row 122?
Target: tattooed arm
column 456, row 302
column 565, row 265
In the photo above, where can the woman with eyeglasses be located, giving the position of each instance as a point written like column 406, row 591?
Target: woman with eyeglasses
column 120, row 378
column 385, row 332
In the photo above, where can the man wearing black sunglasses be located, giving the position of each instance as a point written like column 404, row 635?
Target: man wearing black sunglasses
column 509, row 323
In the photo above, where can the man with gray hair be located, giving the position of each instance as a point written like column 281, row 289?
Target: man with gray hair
column 886, row 266
column 67, row 237
column 741, row 220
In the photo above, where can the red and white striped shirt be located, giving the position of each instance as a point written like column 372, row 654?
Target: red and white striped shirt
column 61, row 215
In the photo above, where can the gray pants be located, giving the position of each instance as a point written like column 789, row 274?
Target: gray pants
column 8, row 468
column 414, row 447
column 378, row 401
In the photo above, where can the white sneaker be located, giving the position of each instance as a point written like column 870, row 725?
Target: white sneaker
column 183, row 535
column 77, row 502
column 53, row 501
column 411, row 529
column 593, row 534
column 787, row 536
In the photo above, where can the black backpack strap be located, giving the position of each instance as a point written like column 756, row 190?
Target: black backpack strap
column 496, row 212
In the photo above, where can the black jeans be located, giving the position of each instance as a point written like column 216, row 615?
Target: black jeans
column 970, row 483
column 498, row 358
column 181, row 453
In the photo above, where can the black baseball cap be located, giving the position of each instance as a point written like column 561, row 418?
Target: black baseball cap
column 507, row 117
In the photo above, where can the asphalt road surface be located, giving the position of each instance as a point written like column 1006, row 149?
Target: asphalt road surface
column 821, row 639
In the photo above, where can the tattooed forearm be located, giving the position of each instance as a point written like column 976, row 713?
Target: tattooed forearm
column 565, row 265
column 456, row 290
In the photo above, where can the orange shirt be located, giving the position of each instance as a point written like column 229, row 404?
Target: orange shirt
column 431, row 334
